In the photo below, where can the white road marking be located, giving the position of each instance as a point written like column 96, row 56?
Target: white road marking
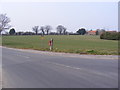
column 23, row 56
column 86, row 70
column 66, row 66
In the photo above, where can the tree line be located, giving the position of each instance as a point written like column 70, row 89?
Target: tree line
column 46, row 30
column 43, row 30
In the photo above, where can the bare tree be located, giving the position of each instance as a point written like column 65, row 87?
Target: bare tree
column 42, row 28
column 61, row 29
column 4, row 22
column 36, row 29
column 48, row 28
column 64, row 30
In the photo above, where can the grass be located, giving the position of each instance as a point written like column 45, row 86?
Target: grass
column 64, row 43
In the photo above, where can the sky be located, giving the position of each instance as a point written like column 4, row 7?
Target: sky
column 72, row 15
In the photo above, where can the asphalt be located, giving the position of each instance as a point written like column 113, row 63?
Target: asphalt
column 33, row 69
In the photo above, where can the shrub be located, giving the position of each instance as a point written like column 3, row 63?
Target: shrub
column 12, row 31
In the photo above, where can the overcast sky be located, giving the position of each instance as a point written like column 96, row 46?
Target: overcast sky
column 73, row 15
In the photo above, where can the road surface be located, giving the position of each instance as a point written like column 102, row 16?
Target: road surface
column 33, row 69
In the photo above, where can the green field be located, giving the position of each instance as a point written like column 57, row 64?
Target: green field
column 84, row 44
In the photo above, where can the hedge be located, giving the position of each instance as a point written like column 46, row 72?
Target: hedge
column 110, row 35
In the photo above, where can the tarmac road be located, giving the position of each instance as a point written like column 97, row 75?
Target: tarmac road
column 34, row 69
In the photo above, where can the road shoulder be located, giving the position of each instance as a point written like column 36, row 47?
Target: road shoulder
column 113, row 57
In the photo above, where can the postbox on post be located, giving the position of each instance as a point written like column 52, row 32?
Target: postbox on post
column 51, row 44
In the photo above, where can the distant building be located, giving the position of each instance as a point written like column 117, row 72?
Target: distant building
column 91, row 32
